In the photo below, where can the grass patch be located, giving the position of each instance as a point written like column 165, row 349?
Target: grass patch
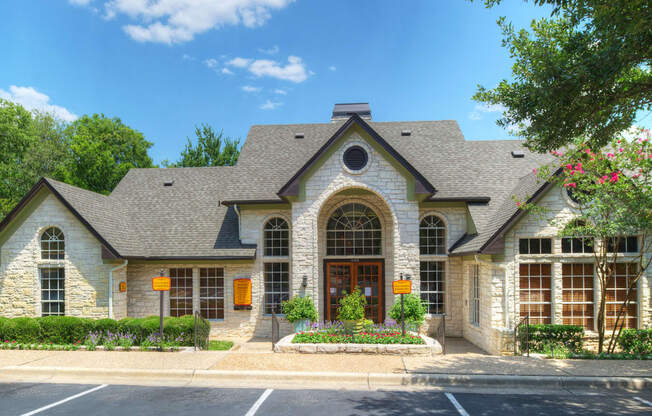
column 219, row 345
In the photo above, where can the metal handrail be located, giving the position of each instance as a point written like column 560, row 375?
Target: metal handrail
column 526, row 319
column 440, row 333
column 275, row 330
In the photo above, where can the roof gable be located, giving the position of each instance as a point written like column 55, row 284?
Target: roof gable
column 292, row 187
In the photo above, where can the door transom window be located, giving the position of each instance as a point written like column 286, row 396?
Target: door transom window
column 353, row 230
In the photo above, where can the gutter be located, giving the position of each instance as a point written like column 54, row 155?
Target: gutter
column 111, row 286
column 504, row 270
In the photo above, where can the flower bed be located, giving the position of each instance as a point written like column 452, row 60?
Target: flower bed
column 360, row 338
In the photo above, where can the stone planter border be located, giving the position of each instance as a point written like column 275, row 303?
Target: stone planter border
column 430, row 347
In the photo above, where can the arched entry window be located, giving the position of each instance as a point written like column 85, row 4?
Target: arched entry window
column 353, row 230
column 52, row 244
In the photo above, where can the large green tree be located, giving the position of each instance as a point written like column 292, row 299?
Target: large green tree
column 212, row 149
column 102, row 150
column 583, row 72
column 32, row 145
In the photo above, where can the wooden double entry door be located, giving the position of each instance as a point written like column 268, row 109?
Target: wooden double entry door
column 341, row 279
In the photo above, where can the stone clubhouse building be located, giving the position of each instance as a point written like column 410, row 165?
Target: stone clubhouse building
column 315, row 210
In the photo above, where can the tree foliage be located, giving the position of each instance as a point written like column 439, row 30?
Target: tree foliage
column 101, row 152
column 212, row 149
column 583, row 72
column 612, row 188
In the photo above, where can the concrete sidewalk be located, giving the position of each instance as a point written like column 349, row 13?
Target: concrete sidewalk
column 255, row 365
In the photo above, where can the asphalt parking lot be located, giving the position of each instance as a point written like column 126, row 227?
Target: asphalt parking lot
column 118, row 400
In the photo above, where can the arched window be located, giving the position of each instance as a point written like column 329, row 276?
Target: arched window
column 277, row 237
column 353, row 229
column 432, row 235
column 52, row 244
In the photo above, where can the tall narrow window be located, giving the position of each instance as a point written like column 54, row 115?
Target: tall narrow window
column 181, row 292
column 432, row 285
column 53, row 291
column 277, row 234
column 535, row 293
column 616, row 291
column 353, row 230
column 52, row 244
column 474, row 309
column 277, row 286
column 577, row 295
column 432, row 236
column 211, row 293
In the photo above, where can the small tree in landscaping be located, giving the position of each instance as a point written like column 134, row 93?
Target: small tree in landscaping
column 612, row 189
column 415, row 309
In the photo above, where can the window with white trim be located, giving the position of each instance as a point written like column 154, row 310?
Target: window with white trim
column 577, row 295
column 277, row 286
column 53, row 291
column 535, row 293
column 616, row 293
column 432, row 285
column 432, row 236
column 181, row 292
column 577, row 245
column 277, row 236
column 535, row 246
column 211, row 292
column 623, row 244
column 474, row 307
column 52, row 244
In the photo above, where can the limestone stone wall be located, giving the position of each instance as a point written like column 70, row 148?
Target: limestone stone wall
column 390, row 190
column 142, row 301
column 86, row 276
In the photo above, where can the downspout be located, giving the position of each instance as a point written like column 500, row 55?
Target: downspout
column 237, row 212
column 111, row 286
column 504, row 269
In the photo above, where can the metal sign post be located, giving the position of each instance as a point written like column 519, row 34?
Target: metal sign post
column 402, row 316
column 161, row 284
column 402, row 287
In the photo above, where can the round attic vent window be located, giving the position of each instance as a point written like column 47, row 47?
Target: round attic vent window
column 355, row 158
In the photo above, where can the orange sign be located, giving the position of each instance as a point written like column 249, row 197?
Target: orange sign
column 402, row 287
column 242, row 292
column 161, row 283
column 123, row 286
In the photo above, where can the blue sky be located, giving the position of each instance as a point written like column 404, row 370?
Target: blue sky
column 164, row 66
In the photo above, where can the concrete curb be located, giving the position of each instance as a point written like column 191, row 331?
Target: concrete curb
column 222, row 377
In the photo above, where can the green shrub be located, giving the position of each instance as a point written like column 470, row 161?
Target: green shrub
column 106, row 325
column 351, row 306
column 544, row 336
column 636, row 341
column 298, row 309
column 26, row 330
column 64, row 329
column 5, row 330
column 415, row 310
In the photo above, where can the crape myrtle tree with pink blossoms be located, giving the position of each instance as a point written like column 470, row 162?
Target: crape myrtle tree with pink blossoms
column 612, row 191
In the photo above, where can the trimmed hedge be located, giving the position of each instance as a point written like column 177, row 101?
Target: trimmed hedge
column 636, row 341
column 70, row 329
column 546, row 335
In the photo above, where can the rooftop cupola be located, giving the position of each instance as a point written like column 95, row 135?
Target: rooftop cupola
column 346, row 110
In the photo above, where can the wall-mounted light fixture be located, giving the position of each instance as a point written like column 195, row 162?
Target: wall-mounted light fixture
column 408, row 277
column 304, row 281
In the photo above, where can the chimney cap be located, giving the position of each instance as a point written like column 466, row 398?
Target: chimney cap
column 346, row 110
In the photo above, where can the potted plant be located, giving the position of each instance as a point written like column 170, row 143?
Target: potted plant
column 351, row 310
column 300, row 312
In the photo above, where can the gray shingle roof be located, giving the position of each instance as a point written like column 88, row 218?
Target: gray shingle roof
column 142, row 218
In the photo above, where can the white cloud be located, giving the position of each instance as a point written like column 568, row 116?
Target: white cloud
column 332, row 68
column 249, row 88
column 177, row 21
column 294, row 70
column 239, row 62
column 271, row 51
column 280, row 92
column 80, row 2
column 31, row 99
column 227, row 71
column 211, row 63
column 270, row 105
column 481, row 109
column 187, row 57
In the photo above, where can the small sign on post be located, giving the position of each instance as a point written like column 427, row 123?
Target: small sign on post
column 161, row 284
column 402, row 287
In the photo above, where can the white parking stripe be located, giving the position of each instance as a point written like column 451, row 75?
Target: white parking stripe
column 457, row 404
column 83, row 393
column 643, row 401
column 259, row 402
